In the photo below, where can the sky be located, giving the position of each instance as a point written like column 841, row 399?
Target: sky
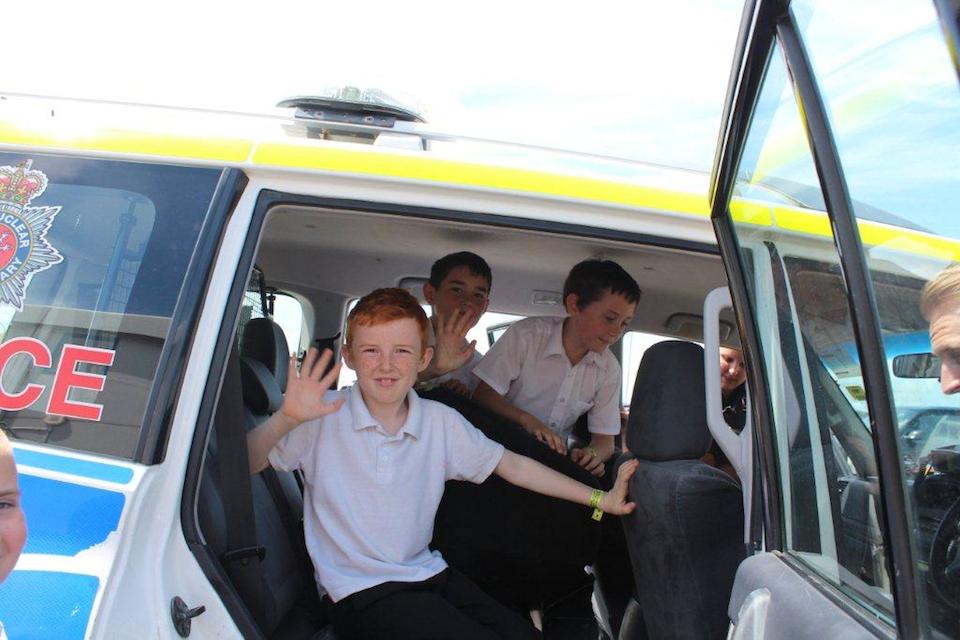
column 641, row 79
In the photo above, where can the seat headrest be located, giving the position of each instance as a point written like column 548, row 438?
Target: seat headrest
column 263, row 340
column 668, row 417
column 261, row 393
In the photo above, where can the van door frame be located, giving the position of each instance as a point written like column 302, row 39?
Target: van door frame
column 764, row 23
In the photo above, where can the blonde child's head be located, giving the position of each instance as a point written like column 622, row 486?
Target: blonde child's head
column 13, row 525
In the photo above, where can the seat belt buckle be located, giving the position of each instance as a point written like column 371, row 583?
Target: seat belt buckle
column 243, row 553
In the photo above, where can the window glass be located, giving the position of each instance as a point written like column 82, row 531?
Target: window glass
column 635, row 344
column 886, row 77
column 827, row 470
column 93, row 255
column 287, row 313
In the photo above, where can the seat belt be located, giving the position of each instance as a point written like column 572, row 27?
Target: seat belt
column 243, row 555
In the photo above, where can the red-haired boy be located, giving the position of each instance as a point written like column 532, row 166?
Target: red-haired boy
column 375, row 458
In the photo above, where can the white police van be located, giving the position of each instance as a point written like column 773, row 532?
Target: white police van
column 141, row 248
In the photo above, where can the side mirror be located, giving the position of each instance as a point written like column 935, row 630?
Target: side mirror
column 916, row 365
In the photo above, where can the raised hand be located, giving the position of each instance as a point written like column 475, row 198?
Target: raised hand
column 305, row 388
column 615, row 501
column 450, row 351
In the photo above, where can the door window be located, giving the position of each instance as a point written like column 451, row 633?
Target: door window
column 93, row 255
column 826, row 465
column 894, row 106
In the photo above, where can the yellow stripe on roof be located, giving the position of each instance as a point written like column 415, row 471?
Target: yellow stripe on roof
column 478, row 175
column 121, row 141
column 874, row 234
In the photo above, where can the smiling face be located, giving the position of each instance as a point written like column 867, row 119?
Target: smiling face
column 732, row 371
column 461, row 289
column 13, row 526
column 598, row 325
column 945, row 342
column 387, row 358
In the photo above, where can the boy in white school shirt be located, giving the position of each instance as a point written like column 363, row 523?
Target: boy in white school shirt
column 458, row 292
column 375, row 458
column 545, row 372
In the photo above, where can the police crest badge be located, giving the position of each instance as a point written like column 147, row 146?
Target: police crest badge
column 24, row 250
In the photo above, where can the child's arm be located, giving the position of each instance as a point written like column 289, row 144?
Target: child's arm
column 530, row 474
column 486, row 396
column 303, row 401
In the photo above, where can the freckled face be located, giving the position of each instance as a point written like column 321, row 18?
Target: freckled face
column 602, row 322
column 387, row 358
column 13, row 525
column 945, row 341
column 732, row 372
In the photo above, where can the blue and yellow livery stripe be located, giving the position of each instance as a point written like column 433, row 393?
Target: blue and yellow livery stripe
column 74, row 466
column 391, row 164
column 51, row 605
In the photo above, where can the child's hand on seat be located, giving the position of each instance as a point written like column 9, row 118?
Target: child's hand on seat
column 588, row 459
column 305, row 388
column 450, row 352
column 615, row 501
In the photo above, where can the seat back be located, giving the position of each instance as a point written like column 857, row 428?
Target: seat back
column 290, row 607
column 685, row 538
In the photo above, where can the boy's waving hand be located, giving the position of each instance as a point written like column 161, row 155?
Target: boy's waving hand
column 305, row 388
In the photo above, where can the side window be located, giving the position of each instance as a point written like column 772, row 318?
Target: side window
column 635, row 344
column 827, row 470
column 287, row 312
column 93, row 255
column 894, row 108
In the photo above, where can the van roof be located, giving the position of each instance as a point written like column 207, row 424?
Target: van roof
column 279, row 140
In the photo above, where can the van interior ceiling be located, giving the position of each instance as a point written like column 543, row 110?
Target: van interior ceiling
column 329, row 256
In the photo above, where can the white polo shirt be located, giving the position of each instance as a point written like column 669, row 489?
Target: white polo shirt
column 529, row 367
column 371, row 497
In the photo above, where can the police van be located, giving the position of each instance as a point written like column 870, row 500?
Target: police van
column 157, row 266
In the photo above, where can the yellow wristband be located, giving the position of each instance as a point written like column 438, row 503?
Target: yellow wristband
column 596, row 497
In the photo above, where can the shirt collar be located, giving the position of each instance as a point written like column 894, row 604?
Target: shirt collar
column 555, row 348
column 361, row 418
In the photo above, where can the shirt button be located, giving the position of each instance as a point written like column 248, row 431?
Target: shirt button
column 563, row 399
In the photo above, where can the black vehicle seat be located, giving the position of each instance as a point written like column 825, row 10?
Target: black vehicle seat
column 290, row 607
column 524, row 549
column 685, row 537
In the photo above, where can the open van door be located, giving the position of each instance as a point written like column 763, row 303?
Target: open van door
column 852, row 115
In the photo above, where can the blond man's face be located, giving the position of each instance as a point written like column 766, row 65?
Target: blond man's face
column 945, row 342
column 13, row 524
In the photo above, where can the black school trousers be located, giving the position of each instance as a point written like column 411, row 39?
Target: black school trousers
column 447, row 606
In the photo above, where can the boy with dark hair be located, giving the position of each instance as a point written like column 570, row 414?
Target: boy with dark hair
column 545, row 372
column 375, row 458
column 459, row 292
